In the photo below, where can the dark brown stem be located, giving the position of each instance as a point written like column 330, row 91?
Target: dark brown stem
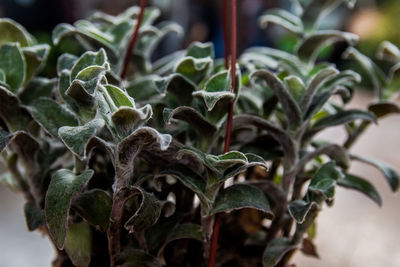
column 114, row 231
column 214, row 238
column 132, row 42
column 121, row 194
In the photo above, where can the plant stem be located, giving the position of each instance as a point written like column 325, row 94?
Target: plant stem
column 121, row 195
column 132, row 42
column 214, row 238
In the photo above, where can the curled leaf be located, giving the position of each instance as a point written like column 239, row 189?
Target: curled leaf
column 277, row 133
column 193, row 118
column 282, row 18
column 324, row 181
column 388, row 51
column 286, row 100
column 241, row 196
column 275, row 250
column 182, row 231
column 127, row 119
column 94, row 207
column 76, row 138
column 299, row 209
column 63, row 186
column 144, row 139
column 146, row 215
column 310, row 47
column 361, row 185
column 78, row 244
column 387, row 170
column 13, row 65
column 13, row 32
column 51, row 115
column 341, row 117
column 34, row 216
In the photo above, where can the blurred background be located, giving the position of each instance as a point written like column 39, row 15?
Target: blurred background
column 355, row 232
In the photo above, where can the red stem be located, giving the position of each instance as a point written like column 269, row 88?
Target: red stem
column 214, row 238
column 132, row 42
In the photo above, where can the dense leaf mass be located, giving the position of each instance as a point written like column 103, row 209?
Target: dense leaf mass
column 130, row 172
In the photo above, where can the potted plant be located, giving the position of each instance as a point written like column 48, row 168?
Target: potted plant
column 128, row 162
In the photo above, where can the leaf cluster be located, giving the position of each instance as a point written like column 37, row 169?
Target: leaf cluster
column 129, row 172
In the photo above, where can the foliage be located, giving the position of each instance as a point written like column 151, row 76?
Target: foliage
column 128, row 172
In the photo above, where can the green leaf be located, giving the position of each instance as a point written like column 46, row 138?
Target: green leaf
column 375, row 74
column 119, row 97
column 174, row 85
column 127, row 119
column 287, row 61
column 394, row 82
column 76, row 138
column 60, row 31
column 384, row 108
column 200, row 50
column 13, row 115
column 277, row 133
column 65, row 62
column 146, row 43
column 195, row 69
column 315, row 82
column 63, row 186
column 52, row 116
column 252, row 160
column 241, row 196
column 193, row 118
column 38, row 87
column 275, row 251
column 146, row 215
column 12, row 63
column 134, row 257
column 63, row 85
column 88, row 59
column 387, row 170
column 310, row 47
column 94, row 207
column 282, row 18
column 321, row 99
column 35, row 57
column 296, row 87
column 188, row 178
column 299, row 209
column 146, row 140
column 324, row 180
column 78, row 244
column 85, row 83
column 182, row 231
column 34, row 216
column 216, row 89
column 342, row 117
column 361, row 185
column 23, row 144
column 388, row 51
column 289, row 105
column 315, row 10
column 212, row 98
column 254, row 60
column 167, row 63
column 13, row 32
